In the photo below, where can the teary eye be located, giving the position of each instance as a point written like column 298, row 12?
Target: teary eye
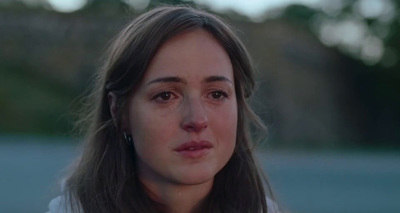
column 163, row 97
column 218, row 95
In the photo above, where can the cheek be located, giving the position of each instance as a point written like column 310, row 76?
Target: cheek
column 150, row 131
column 228, row 118
column 225, row 132
column 225, row 126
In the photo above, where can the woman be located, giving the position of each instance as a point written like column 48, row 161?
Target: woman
column 169, row 125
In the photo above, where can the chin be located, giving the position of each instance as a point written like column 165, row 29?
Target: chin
column 195, row 178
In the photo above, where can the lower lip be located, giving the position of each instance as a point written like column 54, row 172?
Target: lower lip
column 197, row 153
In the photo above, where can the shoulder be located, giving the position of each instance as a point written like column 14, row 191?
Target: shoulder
column 58, row 205
column 272, row 206
column 61, row 204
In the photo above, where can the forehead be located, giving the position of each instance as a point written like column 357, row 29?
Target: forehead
column 195, row 53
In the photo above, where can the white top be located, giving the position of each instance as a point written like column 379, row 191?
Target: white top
column 272, row 207
column 58, row 205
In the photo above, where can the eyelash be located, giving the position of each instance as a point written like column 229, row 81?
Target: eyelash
column 159, row 96
column 223, row 95
column 166, row 96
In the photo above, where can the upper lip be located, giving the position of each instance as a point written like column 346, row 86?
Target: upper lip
column 193, row 145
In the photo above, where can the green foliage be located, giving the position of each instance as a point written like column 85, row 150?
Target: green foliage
column 299, row 14
column 37, row 102
column 170, row 2
column 377, row 84
column 30, row 103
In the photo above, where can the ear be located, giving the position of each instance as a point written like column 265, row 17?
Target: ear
column 112, row 102
column 114, row 109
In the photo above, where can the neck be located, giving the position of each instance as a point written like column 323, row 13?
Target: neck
column 178, row 198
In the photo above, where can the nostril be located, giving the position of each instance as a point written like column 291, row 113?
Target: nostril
column 189, row 128
column 195, row 126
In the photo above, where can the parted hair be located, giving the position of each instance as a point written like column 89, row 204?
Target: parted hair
column 104, row 179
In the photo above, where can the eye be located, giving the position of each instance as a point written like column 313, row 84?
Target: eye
column 164, row 97
column 218, row 95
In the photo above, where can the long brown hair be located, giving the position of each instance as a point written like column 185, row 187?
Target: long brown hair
column 105, row 178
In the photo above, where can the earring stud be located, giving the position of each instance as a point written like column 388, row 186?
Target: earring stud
column 128, row 139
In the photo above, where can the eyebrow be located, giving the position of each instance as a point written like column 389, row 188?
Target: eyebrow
column 167, row 79
column 175, row 79
column 215, row 78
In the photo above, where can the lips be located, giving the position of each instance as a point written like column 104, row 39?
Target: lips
column 194, row 149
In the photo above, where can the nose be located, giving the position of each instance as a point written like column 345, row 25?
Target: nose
column 195, row 117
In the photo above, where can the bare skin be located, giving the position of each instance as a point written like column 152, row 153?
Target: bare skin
column 183, row 120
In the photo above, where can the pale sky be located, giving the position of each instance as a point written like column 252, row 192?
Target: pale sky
column 252, row 8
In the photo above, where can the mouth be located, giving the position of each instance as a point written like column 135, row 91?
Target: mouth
column 194, row 149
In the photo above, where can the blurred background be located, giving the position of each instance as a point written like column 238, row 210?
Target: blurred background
column 328, row 74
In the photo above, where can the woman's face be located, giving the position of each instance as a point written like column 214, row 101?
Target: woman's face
column 183, row 116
